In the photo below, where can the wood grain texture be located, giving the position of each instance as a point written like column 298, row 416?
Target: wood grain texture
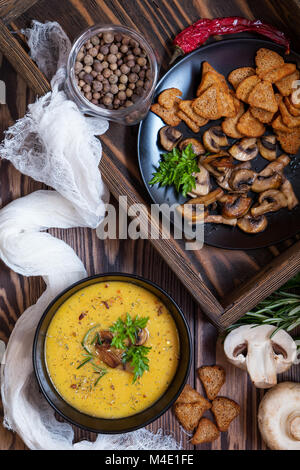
column 221, row 270
column 12, row 9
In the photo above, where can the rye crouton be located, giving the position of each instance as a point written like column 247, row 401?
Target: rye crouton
column 238, row 75
column 206, row 431
column 229, row 124
column 212, row 378
column 209, row 79
column 169, row 116
column 267, row 60
column 291, row 108
column 206, row 67
column 228, row 108
column 289, row 141
column 208, row 104
column 186, row 107
column 278, row 125
column 245, row 87
column 288, row 119
column 189, row 122
column 285, row 85
column 168, row 97
column 277, row 74
column 250, row 126
column 225, row 411
column 189, row 414
column 262, row 96
column 262, row 115
column 189, row 395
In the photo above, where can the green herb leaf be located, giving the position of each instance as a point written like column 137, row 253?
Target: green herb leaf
column 128, row 329
column 177, row 168
column 137, row 357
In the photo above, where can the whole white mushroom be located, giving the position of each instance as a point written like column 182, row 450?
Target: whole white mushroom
column 251, row 348
column 279, row 417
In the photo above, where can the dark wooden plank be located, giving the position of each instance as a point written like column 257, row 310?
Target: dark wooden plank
column 12, row 9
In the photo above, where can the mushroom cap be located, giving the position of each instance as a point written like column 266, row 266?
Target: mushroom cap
column 250, row 224
column 279, row 417
column 244, row 150
column 250, row 347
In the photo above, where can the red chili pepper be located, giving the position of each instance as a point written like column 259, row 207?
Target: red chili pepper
column 197, row 34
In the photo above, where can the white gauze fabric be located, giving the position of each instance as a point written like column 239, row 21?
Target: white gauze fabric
column 55, row 144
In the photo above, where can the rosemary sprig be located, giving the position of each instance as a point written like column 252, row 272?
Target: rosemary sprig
column 281, row 309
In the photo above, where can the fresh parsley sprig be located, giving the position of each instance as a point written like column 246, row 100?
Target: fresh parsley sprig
column 137, row 357
column 128, row 329
column 177, row 168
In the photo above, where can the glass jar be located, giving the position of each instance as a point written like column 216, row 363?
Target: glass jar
column 127, row 116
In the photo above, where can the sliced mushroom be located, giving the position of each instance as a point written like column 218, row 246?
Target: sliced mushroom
column 209, row 198
column 290, row 196
column 202, row 182
column 219, row 219
column 214, row 139
column 269, row 201
column 112, row 357
column 197, row 147
column 142, row 336
column 234, row 206
column 188, row 211
column 169, row 137
column 106, row 337
column 277, row 165
column 244, row 150
column 250, row 224
column 269, row 178
column 267, row 147
column 242, row 180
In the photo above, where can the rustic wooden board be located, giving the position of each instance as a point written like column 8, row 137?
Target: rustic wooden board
column 221, row 270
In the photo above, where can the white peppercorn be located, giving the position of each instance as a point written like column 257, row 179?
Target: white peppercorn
column 88, row 59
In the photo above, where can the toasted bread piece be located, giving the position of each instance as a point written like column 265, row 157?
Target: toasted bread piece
column 169, row 116
column 279, row 73
column 229, row 124
column 189, row 122
column 262, row 115
column 213, row 378
column 208, row 104
column 228, row 108
column 238, row 75
column 267, row 60
column 288, row 119
column 291, row 108
column 262, row 96
column 208, row 79
column 289, row 141
column 189, row 414
column 206, row 67
column 295, row 97
column 245, row 87
column 278, row 125
column 225, row 411
column 186, row 107
column 189, row 395
column 285, row 85
column 206, row 431
column 250, row 126
column 168, row 97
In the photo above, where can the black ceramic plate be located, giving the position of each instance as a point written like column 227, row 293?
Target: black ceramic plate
column 224, row 56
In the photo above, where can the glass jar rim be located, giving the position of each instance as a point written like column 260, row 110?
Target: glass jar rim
column 81, row 39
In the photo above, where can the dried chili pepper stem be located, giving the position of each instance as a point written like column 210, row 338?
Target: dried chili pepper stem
column 198, row 33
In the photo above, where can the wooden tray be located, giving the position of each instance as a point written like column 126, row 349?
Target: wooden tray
column 225, row 283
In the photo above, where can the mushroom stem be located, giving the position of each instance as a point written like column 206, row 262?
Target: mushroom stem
column 261, row 365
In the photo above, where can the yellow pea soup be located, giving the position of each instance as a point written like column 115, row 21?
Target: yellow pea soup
column 113, row 395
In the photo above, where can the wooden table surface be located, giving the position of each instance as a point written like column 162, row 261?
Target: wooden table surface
column 159, row 20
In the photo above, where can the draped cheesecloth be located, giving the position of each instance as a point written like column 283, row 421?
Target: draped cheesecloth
column 55, row 144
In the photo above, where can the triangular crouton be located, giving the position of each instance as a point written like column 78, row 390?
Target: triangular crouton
column 169, row 116
column 250, row 126
column 189, row 122
column 229, row 124
column 189, row 414
column 262, row 115
column 206, row 67
column 285, row 85
column 225, row 411
column 279, row 73
column 168, row 97
column 227, row 104
column 245, row 87
column 208, row 104
column 267, row 60
column 213, row 378
column 186, row 107
column 238, row 75
column 190, row 395
column 262, row 96
column 206, row 432
column 288, row 119
column 290, row 142
column 208, row 79
column 278, row 125
column 291, row 108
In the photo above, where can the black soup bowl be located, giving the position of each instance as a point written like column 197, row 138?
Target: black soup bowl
column 119, row 425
